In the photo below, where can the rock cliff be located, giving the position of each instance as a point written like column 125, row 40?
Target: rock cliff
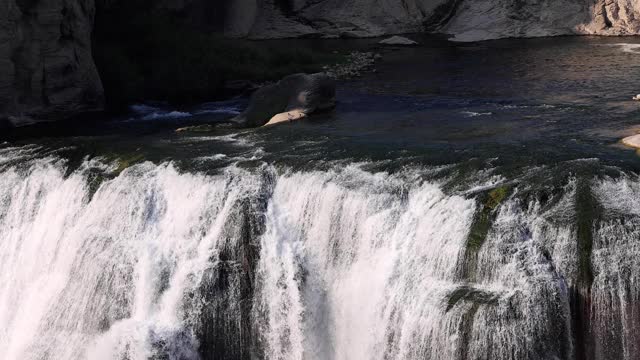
column 493, row 19
column 46, row 67
column 466, row 20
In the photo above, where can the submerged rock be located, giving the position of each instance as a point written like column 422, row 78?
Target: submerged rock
column 398, row 40
column 292, row 98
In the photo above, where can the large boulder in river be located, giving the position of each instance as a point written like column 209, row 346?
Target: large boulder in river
column 292, row 98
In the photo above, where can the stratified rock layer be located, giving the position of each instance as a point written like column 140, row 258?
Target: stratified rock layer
column 46, row 68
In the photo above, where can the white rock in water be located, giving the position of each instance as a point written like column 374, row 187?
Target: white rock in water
column 632, row 141
column 398, row 40
column 637, row 97
column 287, row 116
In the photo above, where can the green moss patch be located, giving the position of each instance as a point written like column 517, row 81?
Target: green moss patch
column 128, row 161
column 483, row 220
column 481, row 226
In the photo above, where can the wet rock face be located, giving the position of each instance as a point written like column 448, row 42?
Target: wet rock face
column 46, row 68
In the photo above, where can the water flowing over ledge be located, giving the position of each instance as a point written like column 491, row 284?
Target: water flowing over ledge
column 155, row 262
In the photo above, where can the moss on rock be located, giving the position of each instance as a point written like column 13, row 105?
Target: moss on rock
column 482, row 225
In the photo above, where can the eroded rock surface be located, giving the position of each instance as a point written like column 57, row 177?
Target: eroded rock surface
column 493, row 19
column 46, row 68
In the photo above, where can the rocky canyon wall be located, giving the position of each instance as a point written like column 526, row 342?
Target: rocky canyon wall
column 46, row 67
column 493, row 19
column 47, row 70
column 467, row 20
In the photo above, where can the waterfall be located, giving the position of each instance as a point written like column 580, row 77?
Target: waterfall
column 156, row 262
column 109, row 275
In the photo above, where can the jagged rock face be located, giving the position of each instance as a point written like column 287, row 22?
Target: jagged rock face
column 614, row 17
column 46, row 68
column 467, row 20
column 350, row 18
column 492, row 19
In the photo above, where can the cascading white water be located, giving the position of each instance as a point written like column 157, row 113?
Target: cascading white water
column 616, row 263
column 356, row 266
column 105, row 277
column 348, row 265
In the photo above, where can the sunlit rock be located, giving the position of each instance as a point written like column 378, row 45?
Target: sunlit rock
column 632, row 141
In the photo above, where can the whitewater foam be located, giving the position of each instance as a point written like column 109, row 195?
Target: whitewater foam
column 629, row 47
column 340, row 264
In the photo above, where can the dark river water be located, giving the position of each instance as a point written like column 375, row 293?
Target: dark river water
column 463, row 201
column 516, row 103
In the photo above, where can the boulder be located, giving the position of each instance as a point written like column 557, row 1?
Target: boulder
column 637, row 97
column 398, row 41
column 292, row 98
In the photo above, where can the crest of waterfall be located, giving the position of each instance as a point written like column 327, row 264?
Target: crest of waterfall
column 112, row 275
column 371, row 269
column 160, row 263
